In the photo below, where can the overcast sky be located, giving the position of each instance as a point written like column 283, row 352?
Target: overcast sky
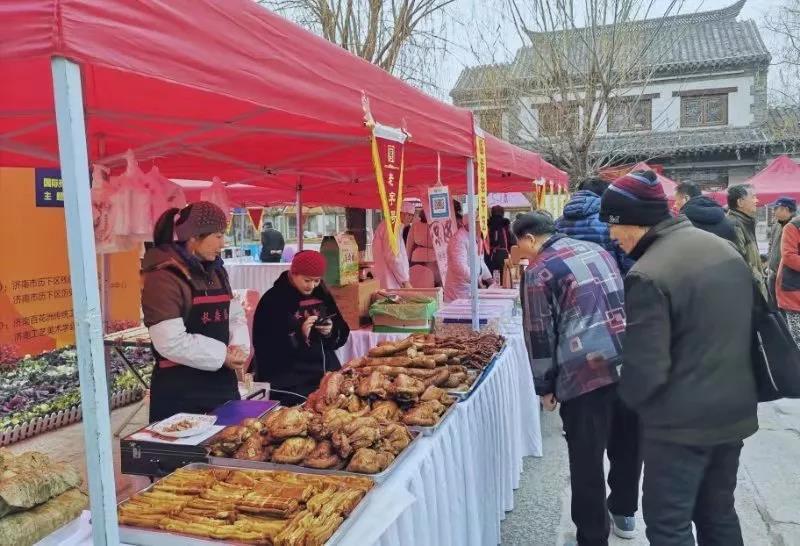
column 481, row 35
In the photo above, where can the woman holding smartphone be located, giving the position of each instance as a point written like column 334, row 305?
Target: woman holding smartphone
column 296, row 331
column 199, row 334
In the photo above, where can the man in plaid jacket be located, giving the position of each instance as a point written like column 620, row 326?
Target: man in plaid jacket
column 574, row 321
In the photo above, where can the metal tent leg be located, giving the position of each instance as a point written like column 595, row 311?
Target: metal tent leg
column 85, row 299
column 474, row 267
column 299, row 216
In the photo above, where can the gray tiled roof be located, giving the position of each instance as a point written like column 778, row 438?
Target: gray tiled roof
column 658, row 144
column 680, row 43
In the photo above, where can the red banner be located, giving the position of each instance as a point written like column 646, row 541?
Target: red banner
column 255, row 217
column 388, row 160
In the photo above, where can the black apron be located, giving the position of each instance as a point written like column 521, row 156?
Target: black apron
column 175, row 388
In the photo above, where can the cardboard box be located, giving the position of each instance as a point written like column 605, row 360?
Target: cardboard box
column 341, row 255
column 354, row 300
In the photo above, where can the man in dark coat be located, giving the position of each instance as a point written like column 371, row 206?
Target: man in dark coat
column 742, row 207
column 687, row 372
column 581, row 220
column 272, row 244
column 297, row 328
column 703, row 212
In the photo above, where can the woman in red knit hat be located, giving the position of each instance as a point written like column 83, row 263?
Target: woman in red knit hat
column 296, row 331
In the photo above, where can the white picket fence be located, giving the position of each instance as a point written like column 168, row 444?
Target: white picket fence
column 62, row 418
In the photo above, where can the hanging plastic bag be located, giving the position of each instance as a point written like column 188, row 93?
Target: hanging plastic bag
column 164, row 194
column 102, row 210
column 140, row 226
column 217, row 194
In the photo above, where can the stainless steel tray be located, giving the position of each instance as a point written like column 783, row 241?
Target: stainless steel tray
column 427, row 431
column 377, row 478
column 140, row 536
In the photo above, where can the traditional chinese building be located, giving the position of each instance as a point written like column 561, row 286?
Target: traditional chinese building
column 702, row 115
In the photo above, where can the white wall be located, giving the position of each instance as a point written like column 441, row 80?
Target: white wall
column 666, row 108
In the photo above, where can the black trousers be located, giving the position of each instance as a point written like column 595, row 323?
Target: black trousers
column 685, row 484
column 592, row 422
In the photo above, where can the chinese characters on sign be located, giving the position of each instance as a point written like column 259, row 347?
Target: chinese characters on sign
column 53, row 291
column 49, row 188
column 483, row 189
column 388, row 161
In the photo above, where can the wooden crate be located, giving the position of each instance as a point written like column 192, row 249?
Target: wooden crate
column 353, row 301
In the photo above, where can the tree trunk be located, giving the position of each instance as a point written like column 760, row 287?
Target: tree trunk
column 357, row 225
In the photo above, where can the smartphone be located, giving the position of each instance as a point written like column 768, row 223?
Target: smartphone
column 320, row 320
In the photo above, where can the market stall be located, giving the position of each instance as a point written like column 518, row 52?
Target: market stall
column 280, row 109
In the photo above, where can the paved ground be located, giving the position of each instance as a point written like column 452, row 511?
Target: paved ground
column 767, row 495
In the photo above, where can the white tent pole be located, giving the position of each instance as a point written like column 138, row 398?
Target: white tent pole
column 85, row 299
column 473, row 247
column 299, row 214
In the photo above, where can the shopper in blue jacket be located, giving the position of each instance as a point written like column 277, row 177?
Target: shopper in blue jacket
column 581, row 221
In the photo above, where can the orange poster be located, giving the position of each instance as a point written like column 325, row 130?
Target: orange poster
column 35, row 292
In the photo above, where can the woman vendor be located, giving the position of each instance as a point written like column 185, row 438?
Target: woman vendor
column 457, row 282
column 296, row 331
column 199, row 334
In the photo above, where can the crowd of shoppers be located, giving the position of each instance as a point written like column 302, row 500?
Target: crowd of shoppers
column 639, row 324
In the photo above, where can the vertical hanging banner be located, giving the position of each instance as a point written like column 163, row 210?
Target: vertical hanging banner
column 388, row 160
column 483, row 185
column 255, row 215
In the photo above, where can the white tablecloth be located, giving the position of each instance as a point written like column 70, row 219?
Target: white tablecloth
column 463, row 477
column 361, row 341
column 254, row 276
column 455, row 486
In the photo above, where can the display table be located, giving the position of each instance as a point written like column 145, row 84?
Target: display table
column 463, row 477
column 361, row 341
column 254, row 275
column 456, row 485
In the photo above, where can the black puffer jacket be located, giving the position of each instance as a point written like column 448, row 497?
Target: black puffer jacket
column 687, row 372
column 282, row 355
column 708, row 215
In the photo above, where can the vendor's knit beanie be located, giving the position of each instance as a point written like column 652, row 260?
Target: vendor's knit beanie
column 201, row 218
column 636, row 199
column 309, row 263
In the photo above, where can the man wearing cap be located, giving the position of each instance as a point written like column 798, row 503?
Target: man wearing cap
column 390, row 268
column 687, row 371
column 785, row 209
column 296, row 330
column 272, row 244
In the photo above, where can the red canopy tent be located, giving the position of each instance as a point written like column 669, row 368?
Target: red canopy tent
column 779, row 178
column 205, row 88
column 274, row 104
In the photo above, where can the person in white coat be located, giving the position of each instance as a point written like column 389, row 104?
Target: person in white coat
column 390, row 269
column 457, row 281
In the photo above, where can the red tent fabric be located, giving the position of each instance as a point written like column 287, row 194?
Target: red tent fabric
column 233, row 91
column 779, row 178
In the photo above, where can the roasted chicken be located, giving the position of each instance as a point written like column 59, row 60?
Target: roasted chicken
column 406, row 388
column 370, row 461
column 394, row 438
column 287, row 422
column 424, row 414
column 293, row 450
column 375, row 385
column 323, row 456
column 386, row 410
column 435, row 393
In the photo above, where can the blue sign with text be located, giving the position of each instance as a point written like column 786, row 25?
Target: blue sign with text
column 49, row 188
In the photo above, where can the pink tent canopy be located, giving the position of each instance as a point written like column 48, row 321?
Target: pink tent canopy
column 513, row 200
column 779, row 178
column 233, row 91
